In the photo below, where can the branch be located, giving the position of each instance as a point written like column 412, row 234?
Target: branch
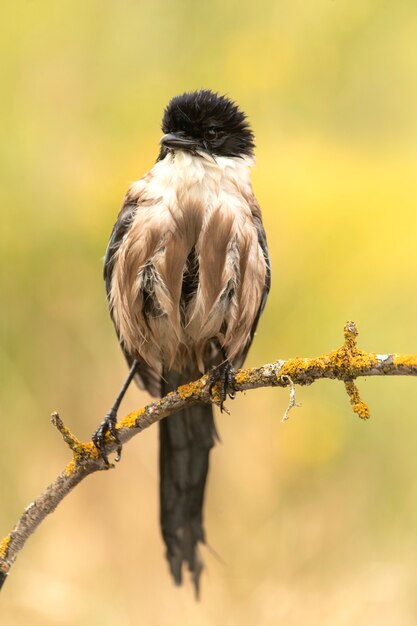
column 345, row 364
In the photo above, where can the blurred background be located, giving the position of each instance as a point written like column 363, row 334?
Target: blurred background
column 314, row 520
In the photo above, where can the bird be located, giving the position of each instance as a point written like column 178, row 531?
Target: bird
column 187, row 274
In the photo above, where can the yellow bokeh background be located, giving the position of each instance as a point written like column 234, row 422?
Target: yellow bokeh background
column 313, row 521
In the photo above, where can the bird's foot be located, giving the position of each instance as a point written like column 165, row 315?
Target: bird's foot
column 108, row 425
column 224, row 376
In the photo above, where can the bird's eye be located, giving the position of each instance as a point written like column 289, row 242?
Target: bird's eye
column 210, row 133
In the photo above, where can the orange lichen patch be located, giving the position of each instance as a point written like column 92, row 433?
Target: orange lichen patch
column 359, row 407
column 346, row 362
column 406, row 360
column 350, row 333
column 242, row 377
column 71, row 467
column 297, row 368
column 90, row 449
column 216, row 395
column 352, row 361
column 87, row 450
column 4, row 546
column 290, row 367
column 349, row 354
column 81, row 452
column 79, row 448
column 363, row 360
column 191, row 389
column 130, row 420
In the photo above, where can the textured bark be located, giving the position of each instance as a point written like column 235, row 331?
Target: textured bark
column 345, row 364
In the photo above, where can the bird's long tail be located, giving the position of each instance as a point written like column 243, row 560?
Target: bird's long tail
column 185, row 442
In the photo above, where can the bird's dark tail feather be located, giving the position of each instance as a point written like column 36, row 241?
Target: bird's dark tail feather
column 185, row 442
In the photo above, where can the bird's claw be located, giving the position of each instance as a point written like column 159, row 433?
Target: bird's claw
column 108, row 425
column 224, row 375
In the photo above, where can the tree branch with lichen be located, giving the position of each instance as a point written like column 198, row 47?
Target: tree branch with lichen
column 345, row 364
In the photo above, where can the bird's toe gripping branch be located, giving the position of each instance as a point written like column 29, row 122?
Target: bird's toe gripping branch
column 221, row 383
column 107, row 429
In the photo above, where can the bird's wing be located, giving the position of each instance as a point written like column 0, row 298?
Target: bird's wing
column 257, row 220
column 146, row 377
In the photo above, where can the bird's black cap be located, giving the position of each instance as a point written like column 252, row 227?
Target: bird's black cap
column 205, row 121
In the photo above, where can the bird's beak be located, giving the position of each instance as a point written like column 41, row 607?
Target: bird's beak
column 175, row 141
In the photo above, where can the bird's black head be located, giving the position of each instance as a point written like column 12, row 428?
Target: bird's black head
column 203, row 121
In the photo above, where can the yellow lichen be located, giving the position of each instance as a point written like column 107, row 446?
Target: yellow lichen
column 130, row 420
column 346, row 363
column 359, row 407
column 362, row 409
column 71, row 467
column 81, row 451
column 4, row 546
column 350, row 333
column 293, row 367
column 190, row 389
column 216, row 394
column 242, row 377
column 406, row 360
column 87, row 450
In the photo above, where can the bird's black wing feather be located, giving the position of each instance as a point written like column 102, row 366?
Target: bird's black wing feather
column 121, row 227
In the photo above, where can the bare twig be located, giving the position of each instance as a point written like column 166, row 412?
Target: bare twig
column 345, row 364
column 292, row 403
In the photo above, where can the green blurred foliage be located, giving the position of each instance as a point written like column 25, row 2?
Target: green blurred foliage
column 315, row 519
